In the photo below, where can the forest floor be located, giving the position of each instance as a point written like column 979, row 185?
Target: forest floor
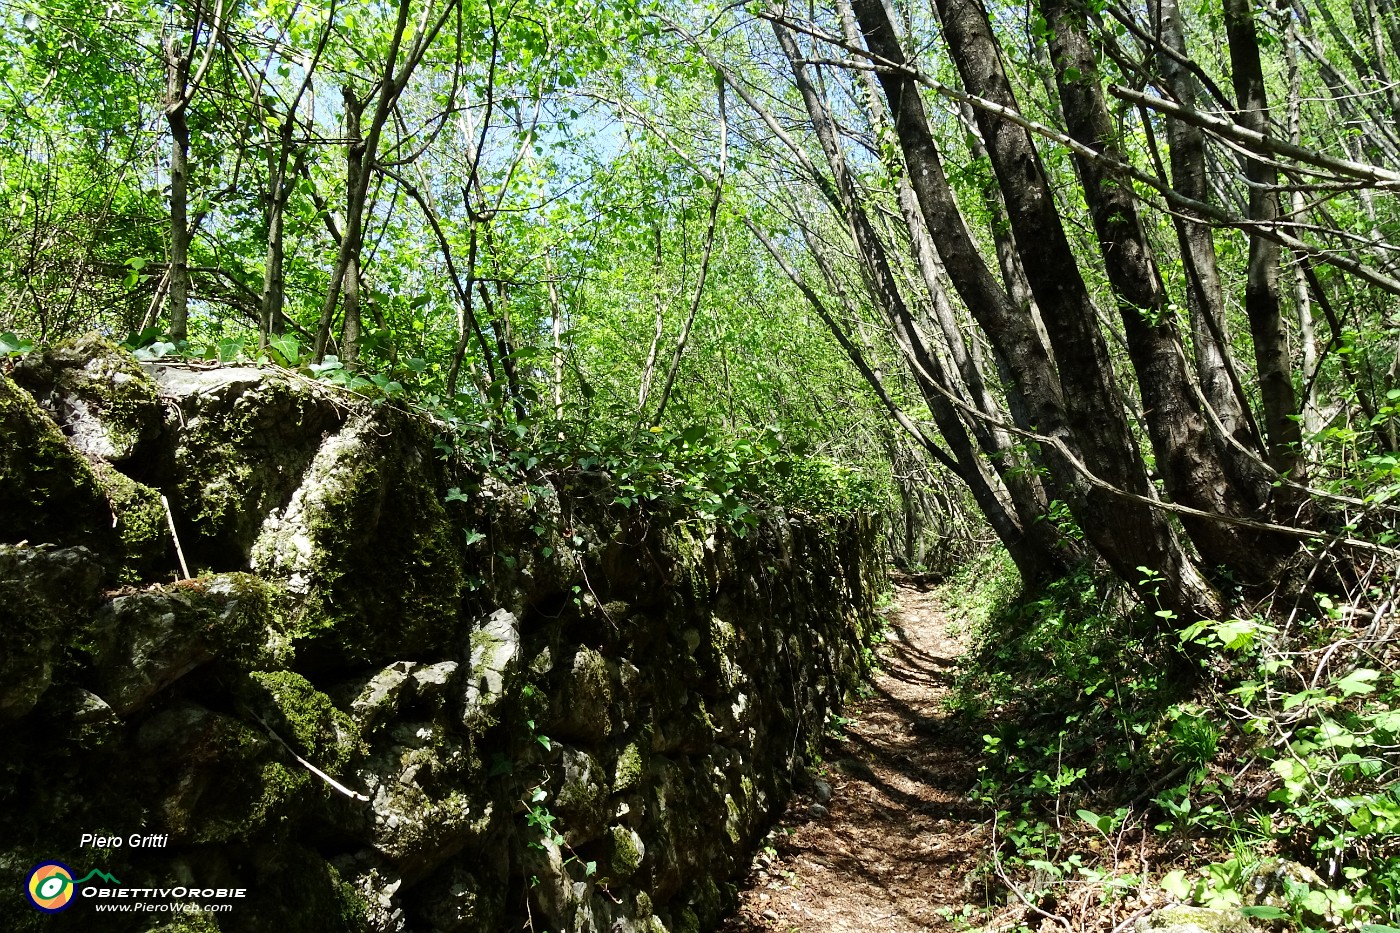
column 895, row 846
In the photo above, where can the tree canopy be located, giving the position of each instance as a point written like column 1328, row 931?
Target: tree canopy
column 1114, row 280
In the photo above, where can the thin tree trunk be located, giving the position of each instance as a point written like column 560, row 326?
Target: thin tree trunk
column 684, row 338
column 649, row 368
column 177, row 67
column 556, row 313
column 1261, row 299
column 1312, row 418
column 354, row 169
column 391, row 85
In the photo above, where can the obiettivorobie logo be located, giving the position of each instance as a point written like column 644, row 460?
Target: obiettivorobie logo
column 51, row 885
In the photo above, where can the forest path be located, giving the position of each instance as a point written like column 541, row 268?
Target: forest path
column 898, row 837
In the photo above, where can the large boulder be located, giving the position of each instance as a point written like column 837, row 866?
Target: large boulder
column 366, row 545
column 242, row 440
column 146, row 641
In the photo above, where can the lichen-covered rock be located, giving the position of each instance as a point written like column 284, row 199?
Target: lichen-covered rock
column 462, row 902
column 146, row 641
column 224, row 779
column 46, row 597
column 1275, row 882
column 625, row 852
column 99, row 395
column 582, row 799
column 367, row 546
column 583, row 711
column 305, row 719
column 495, row 660
column 378, row 699
column 243, row 439
column 48, row 493
column 1186, row 919
column 418, row 820
column 141, row 525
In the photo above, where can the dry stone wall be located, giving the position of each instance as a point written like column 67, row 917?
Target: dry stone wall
column 399, row 694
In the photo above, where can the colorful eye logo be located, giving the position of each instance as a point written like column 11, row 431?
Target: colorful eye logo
column 50, row 887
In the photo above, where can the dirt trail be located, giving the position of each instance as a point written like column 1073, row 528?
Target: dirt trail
column 898, row 837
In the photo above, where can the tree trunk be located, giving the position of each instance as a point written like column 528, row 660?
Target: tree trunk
column 1187, row 458
column 1261, row 297
column 1205, row 299
column 1128, row 533
column 354, row 186
column 177, row 71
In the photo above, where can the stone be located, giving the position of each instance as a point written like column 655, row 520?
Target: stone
column 583, row 709
column 821, row 790
column 46, row 597
column 144, row 642
column 494, row 661
column 1271, row 881
column 1186, row 919
column 366, row 545
column 626, row 850
column 582, row 800
column 98, row 394
column 655, row 679
column 379, row 698
column 242, row 440
column 48, row 492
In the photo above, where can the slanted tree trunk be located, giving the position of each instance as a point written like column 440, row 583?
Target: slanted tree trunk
column 1083, row 407
column 1192, row 470
column 1034, row 561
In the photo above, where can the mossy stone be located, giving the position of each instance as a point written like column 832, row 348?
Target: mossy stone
column 628, row 772
column 306, row 719
column 98, row 393
column 48, row 493
column 625, row 853
column 367, row 544
column 46, row 596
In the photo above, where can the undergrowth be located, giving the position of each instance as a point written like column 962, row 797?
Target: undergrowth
column 1235, row 764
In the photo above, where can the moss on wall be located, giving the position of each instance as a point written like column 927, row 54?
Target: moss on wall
column 636, row 692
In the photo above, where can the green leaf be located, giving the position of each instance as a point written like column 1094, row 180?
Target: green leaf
column 1264, row 912
column 286, row 349
column 1357, row 682
column 1103, row 824
column 1175, row 884
column 11, row 345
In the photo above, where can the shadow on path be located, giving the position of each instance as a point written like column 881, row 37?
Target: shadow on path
column 899, row 836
